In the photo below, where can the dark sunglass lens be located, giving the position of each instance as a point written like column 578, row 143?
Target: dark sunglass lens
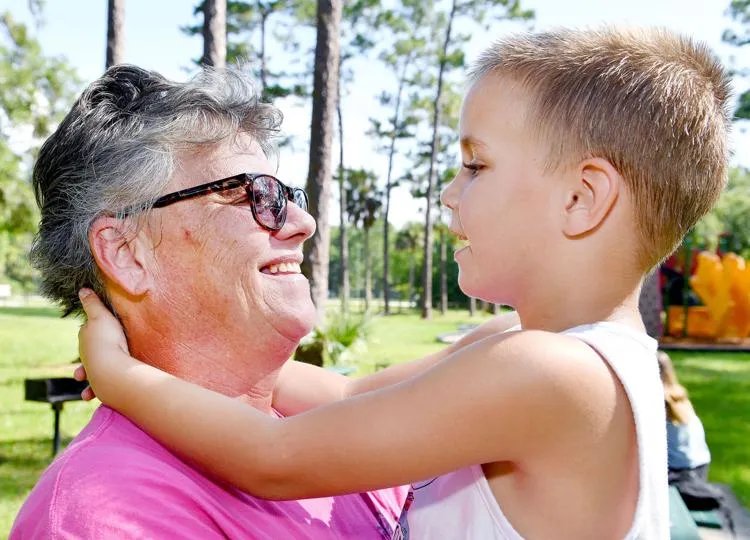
column 300, row 199
column 269, row 202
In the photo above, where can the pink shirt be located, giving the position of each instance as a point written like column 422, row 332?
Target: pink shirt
column 115, row 481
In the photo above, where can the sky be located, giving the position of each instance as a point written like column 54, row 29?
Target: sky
column 76, row 29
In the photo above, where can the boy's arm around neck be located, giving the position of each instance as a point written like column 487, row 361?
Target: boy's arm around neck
column 301, row 386
column 516, row 397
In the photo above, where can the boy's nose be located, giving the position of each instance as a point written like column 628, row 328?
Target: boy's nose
column 449, row 195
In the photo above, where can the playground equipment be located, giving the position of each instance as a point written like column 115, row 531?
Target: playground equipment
column 723, row 286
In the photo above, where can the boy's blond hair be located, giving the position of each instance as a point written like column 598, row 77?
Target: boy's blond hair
column 652, row 103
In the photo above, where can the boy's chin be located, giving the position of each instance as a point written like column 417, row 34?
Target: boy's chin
column 492, row 292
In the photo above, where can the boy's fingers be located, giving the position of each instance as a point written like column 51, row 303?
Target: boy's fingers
column 88, row 394
column 91, row 304
column 80, row 374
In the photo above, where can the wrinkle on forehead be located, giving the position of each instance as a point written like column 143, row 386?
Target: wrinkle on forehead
column 207, row 163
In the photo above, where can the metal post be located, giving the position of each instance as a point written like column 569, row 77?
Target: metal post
column 57, row 407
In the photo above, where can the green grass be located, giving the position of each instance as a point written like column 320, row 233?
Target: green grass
column 403, row 337
column 37, row 343
column 719, row 387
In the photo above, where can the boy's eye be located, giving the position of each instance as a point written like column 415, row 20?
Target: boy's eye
column 473, row 167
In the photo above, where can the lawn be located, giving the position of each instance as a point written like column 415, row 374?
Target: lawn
column 35, row 342
column 719, row 387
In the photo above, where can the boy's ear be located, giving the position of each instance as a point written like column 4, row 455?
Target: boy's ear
column 590, row 196
column 120, row 255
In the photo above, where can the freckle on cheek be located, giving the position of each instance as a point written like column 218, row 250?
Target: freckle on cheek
column 189, row 237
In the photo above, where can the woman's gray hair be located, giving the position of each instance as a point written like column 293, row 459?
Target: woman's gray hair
column 116, row 151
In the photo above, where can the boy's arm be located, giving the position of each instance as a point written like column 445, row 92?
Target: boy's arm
column 512, row 397
column 301, row 386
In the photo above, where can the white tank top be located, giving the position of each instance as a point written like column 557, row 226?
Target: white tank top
column 460, row 505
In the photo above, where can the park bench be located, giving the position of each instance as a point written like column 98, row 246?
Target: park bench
column 733, row 522
column 681, row 524
column 55, row 391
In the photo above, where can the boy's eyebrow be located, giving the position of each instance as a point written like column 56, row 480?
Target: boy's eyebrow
column 469, row 142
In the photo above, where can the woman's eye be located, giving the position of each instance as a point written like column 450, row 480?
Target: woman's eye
column 236, row 197
column 231, row 196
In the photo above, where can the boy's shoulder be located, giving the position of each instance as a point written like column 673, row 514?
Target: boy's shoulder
column 556, row 355
column 545, row 366
column 575, row 374
column 588, row 348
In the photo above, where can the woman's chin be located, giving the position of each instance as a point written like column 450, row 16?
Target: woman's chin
column 296, row 326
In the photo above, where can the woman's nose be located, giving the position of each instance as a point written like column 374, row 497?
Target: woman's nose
column 299, row 223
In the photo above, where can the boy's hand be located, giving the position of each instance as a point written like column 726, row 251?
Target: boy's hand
column 102, row 345
column 79, row 374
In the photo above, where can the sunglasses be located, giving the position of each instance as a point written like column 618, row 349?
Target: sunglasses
column 267, row 196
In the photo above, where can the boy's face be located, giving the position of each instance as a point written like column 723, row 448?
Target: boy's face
column 502, row 201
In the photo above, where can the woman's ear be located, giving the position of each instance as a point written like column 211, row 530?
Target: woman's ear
column 591, row 196
column 121, row 255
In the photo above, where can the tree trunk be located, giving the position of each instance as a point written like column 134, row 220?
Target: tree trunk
column 368, row 270
column 387, row 205
column 472, row 306
column 214, row 33
column 410, row 288
column 443, row 272
column 343, row 233
column 355, row 257
column 115, row 34
column 325, row 94
column 496, row 309
column 262, row 59
column 428, row 241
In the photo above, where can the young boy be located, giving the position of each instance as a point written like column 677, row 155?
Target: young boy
column 587, row 155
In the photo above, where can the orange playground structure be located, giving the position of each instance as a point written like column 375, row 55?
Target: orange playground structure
column 723, row 286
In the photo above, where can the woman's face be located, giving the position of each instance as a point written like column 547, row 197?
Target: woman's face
column 502, row 202
column 214, row 260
